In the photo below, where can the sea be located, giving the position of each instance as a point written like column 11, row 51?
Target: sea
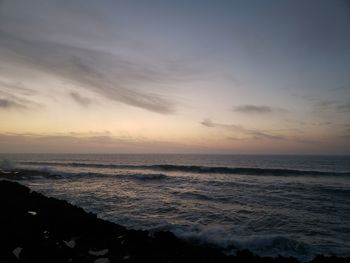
column 273, row 205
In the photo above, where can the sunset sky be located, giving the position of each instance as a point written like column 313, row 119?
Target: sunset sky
column 136, row 76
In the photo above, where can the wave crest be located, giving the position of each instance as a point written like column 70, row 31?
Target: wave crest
column 230, row 243
column 47, row 173
column 200, row 169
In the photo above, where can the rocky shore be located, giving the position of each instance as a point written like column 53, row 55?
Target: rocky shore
column 35, row 228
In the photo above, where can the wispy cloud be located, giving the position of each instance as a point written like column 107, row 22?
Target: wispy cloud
column 325, row 104
column 257, row 109
column 81, row 100
column 242, row 131
column 9, row 101
column 239, row 132
column 111, row 76
column 324, row 123
column 208, row 123
column 74, row 54
column 333, row 105
column 345, row 107
column 16, row 87
column 9, row 104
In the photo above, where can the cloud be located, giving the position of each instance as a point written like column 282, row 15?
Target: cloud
column 345, row 107
column 113, row 77
column 333, row 105
column 208, row 122
column 298, row 122
column 17, row 87
column 256, row 109
column 252, row 109
column 242, row 131
column 325, row 103
column 239, row 132
column 9, row 104
column 9, row 101
column 324, row 123
column 73, row 46
column 83, row 101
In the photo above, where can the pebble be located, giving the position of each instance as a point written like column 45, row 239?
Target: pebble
column 102, row 260
column 17, row 251
column 70, row 244
column 99, row 252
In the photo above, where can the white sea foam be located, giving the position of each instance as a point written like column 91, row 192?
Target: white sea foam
column 268, row 245
column 7, row 165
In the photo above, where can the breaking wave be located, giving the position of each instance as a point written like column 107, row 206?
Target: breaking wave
column 199, row 169
column 46, row 173
column 230, row 243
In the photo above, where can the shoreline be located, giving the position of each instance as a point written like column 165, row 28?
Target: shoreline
column 36, row 228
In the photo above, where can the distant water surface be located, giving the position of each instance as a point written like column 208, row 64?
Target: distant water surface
column 273, row 205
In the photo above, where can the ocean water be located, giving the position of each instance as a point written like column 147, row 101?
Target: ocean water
column 273, row 205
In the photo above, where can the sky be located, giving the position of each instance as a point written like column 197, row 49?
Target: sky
column 165, row 76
